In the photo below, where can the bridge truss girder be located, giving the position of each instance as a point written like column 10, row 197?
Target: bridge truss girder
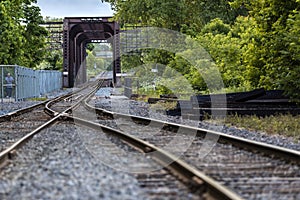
column 79, row 31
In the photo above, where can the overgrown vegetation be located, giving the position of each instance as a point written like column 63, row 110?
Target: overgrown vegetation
column 37, row 99
column 164, row 105
column 285, row 125
column 253, row 43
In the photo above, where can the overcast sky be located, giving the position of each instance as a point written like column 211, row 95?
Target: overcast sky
column 74, row 8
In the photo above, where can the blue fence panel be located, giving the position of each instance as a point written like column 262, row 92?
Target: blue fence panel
column 26, row 83
column 50, row 80
column 29, row 83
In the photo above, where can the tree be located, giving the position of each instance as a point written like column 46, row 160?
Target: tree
column 290, row 79
column 253, row 43
column 21, row 37
column 53, row 60
column 226, row 50
column 35, row 36
column 183, row 15
column 263, row 46
column 186, row 16
column 11, row 38
column 272, row 48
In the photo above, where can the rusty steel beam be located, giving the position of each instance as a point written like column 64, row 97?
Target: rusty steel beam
column 77, row 32
column 55, row 38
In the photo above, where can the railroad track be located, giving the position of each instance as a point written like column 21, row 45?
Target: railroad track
column 67, row 103
column 195, row 184
column 251, row 169
column 257, row 102
column 152, row 170
column 18, row 124
column 155, row 179
column 154, row 140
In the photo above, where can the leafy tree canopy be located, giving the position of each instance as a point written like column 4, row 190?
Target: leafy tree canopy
column 185, row 15
column 22, row 40
column 254, row 43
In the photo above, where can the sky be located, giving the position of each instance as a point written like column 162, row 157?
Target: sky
column 74, row 8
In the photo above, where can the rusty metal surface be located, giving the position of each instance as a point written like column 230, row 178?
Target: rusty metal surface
column 79, row 31
column 55, row 38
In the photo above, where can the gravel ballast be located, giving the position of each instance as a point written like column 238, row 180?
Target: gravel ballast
column 11, row 105
column 143, row 109
column 74, row 173
column 56, row 164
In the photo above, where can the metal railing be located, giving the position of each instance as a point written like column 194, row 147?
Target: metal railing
column 28, row 83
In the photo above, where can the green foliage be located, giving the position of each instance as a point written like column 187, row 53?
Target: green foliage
column 225, row 50
column 95, row 64
column 290, row 80
column 22, row 40
column 259, row 50
column 162, row 89
column 90, row 47
column 189, row 17
column 270, row 54
column 185, row 15
column 11, row 38
column 196, row 80
column 216, row 26
column 285, row 125
column 130, row 61
column 252, row 43
column 53, row 60
column 180, row 65
column 34, row 35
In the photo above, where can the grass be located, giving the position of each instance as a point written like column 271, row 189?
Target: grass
column 285, row 125
column 37, row 99
column 168, row 105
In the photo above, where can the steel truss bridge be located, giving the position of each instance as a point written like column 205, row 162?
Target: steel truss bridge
column 73, row 34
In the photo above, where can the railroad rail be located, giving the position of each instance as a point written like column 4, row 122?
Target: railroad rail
column 258, row 102
column 207, row 179
column 17, row 124
column 20, row 126
column 237, row 168
column 197, row 182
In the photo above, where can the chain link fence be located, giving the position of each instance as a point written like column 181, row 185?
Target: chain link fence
column 19, row 83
